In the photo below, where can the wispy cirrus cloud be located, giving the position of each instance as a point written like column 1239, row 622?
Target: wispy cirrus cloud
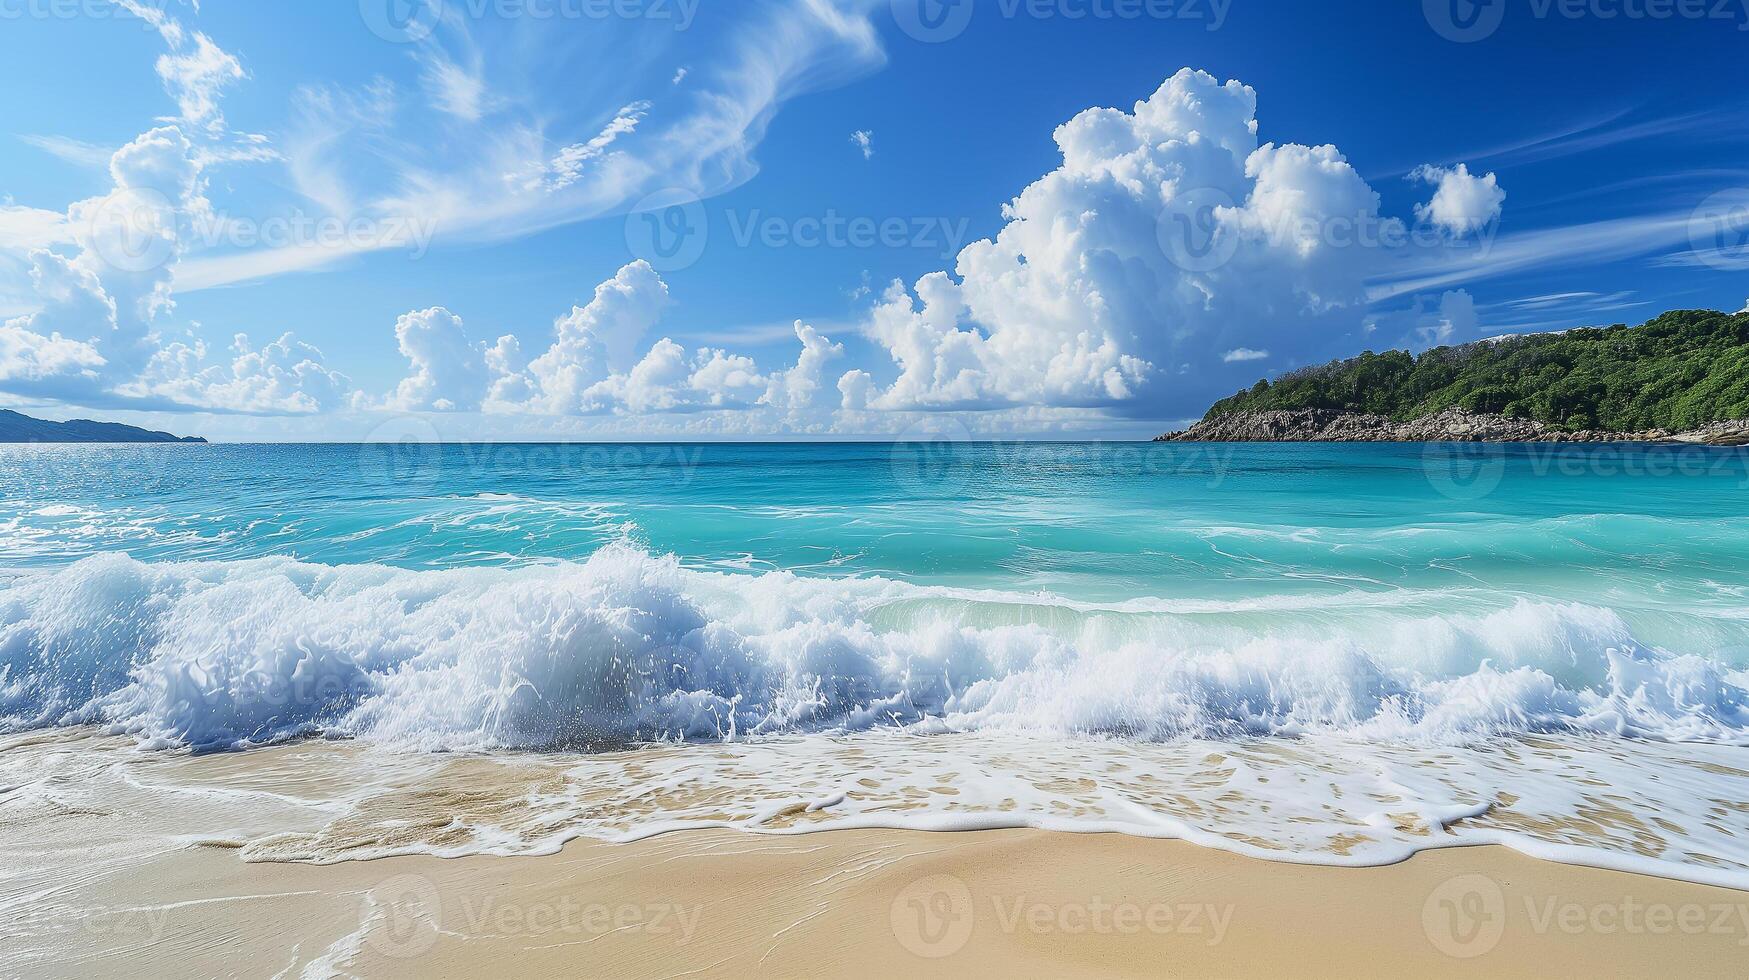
column 1597, row 131
column 558, row 152
column 68, row 150
column 1544, row 248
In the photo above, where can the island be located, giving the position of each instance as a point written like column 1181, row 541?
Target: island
column 16, row 428
column 1682, row 377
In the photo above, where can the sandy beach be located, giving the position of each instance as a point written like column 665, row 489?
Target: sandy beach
column 117, row 861
column 996, row 904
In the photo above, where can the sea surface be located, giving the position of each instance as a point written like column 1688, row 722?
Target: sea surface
column 1336, row 654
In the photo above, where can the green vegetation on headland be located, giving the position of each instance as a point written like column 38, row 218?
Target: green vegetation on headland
column 22, row 428
column 1678, row 372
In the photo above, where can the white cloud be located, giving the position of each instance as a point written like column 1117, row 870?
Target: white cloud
column 285, row 376
column 110, row 294
column 68, row 150
column 597, row 366
column 1096, row 280
column 457, row 90
column 596, row 340
column 679, row 76
column 196, row 76
column 1453, row 319
column 529, row 164
column 95, row 334
column 725, row 380
column 23, row 229
column 195, row 71
column 855, row 389
column 1462, row 203
column 449, row 374
column 652, row 384
column 28, row 359
column 795, row 390
column 1593, row 242
column 865, row 141
column 566, row 167
column 1240, row 355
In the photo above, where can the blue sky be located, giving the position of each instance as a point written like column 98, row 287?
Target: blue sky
column 657, row 219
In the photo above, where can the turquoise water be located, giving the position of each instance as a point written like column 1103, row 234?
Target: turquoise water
column 1400, row 570
column 1101, row 521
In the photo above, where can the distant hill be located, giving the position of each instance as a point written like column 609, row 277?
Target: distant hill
column 22, row 428
column 1681, row 371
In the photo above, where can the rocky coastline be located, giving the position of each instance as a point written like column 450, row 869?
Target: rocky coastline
column 1451, row 425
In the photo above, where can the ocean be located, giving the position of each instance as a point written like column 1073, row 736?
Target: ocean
column 1317, row 653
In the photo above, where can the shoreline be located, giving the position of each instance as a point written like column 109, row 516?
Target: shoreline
column 117, row 861
column 1451, row 425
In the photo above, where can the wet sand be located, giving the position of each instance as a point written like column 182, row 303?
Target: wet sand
column 880, row 903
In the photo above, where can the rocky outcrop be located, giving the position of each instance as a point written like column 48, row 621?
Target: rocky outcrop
column 1718, row 434
column 1451, row 425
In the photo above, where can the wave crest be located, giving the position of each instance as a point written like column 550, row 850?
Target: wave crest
column 629, row 646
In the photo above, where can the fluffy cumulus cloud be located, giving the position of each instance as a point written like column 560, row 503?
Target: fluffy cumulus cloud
column 855, row 389
column 449, row 374
column 1169, row 233
column 106, row 295
column 103, row 282
column 599, row 365
column 1462, row 202
column 95, row 337
column 286, row 376
column 797, row 388
column 597, row 342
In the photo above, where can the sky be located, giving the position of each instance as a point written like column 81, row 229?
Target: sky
column 830, row 219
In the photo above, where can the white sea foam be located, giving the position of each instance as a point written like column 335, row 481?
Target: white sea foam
column 628, row 646
column 1675, row 810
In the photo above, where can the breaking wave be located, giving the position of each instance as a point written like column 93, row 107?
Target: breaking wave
column 630, row 646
